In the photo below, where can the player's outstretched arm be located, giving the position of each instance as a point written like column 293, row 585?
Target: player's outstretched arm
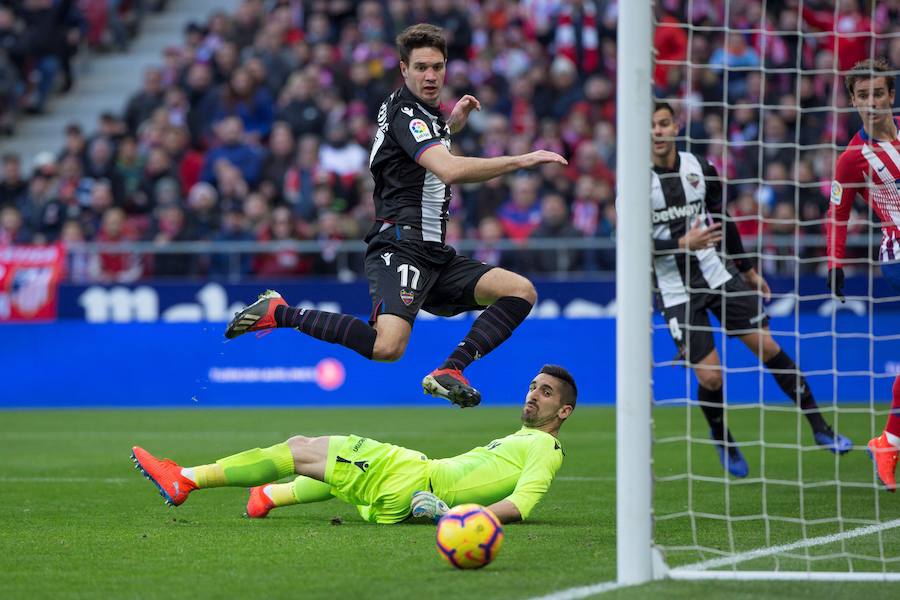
column 460, row 113
column 506, row 511
column 463, row 169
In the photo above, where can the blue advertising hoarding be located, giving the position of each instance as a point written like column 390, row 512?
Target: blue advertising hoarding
column 77, row 364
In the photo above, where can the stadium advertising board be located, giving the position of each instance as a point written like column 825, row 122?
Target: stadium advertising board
column 29, row 277
column 191, row 365
column 217, row 302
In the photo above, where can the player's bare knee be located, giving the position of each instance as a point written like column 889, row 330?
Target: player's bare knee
column 522, row 288
column 711, row 380
column 388, row 350
column 298, row 444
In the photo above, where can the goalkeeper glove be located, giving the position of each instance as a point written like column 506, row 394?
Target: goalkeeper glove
column 836, row 282
column 426, row 504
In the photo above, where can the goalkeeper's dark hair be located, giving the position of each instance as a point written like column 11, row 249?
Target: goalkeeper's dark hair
column 422, row 35
column 869, row 69
column 663, row 105
column 570, row 390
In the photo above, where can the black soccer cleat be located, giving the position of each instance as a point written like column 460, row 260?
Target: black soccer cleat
column 451, row 385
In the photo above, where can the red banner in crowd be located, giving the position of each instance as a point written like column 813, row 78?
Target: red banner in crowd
column 29, row 278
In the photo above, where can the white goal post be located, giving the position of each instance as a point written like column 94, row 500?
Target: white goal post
column 841, row 541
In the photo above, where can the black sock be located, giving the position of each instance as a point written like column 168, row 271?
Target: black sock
column 711, row 403
column 490, row 329
column 329, row 327
column 794, row 385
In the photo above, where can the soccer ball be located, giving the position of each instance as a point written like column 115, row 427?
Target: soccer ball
column 469, row 536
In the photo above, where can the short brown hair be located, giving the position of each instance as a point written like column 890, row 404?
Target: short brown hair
column 869, row 69
column 422, row 35
column 663, row 105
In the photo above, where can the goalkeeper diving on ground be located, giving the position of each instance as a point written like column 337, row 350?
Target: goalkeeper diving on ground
column 388, row 483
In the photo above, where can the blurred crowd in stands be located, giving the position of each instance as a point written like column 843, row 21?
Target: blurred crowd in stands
column 39, row 40
column 258, row 125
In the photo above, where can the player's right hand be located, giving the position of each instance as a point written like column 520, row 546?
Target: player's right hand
column 699, row 237
column 426, row 504
column 539, row 157
column 836, row 282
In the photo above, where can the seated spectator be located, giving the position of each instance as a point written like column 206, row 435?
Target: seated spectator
column 280, row 155
column 490, row 231
column 233, row 150
column 341, row 155
column 203, row 210
column 143, row 103
column 555, row 224
column 12, row 227
column 233, row 229
column 521, row 214
column 298, row 107
column 299, row 180
column 171, row 226
column 111, row 266
column 79, row 264
column 281, row 261
column 242, row 97
column 13, row 185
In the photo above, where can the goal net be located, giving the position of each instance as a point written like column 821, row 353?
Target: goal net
column 758, row 89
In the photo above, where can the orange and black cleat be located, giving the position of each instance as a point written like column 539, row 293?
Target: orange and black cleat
column 451, row 385
column 259, row 504
column 165, row 474
column 258, row 316
column 884, row 455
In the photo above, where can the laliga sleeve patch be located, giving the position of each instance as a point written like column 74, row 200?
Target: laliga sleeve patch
column 419, row 130
column 836, row 192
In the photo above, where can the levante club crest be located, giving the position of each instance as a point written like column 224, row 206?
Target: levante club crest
column 407, row 296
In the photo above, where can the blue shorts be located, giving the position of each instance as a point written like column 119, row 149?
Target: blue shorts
column 891, row 273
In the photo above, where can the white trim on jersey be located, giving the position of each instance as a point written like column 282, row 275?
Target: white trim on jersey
column 433, row 196
column 672, row 287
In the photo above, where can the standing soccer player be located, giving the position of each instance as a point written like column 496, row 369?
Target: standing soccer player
column 408, row 265
column 692, row 279
column 870, row 167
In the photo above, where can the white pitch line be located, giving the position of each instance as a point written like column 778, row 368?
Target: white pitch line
column 808, row 543
column 575, row 478
column 583, row 591
column 688, row 575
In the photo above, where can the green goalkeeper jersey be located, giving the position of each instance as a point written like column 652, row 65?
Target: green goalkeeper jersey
column 518, row 468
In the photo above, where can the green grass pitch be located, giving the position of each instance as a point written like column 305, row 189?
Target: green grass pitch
column 77, row 521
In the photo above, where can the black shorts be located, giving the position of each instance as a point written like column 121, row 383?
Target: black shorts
column 734, row 304
column 408, row 276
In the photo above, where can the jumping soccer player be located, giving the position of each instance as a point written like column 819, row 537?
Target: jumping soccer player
column 692, row 279
column 408, row 265
column 509, row 475
column 870, row 167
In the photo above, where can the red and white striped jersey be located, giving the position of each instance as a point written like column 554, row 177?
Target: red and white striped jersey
column 870, row 168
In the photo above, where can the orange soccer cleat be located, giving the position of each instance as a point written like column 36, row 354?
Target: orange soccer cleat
column 164, row 474
column 884, row 455
column 259, row 504
column 258, row 316
column 452, row 385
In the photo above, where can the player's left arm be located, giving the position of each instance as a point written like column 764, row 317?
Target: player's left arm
column 541, row 465
column 505, row 511
column 734, row 247
column 460, row 113
column 848, row 181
